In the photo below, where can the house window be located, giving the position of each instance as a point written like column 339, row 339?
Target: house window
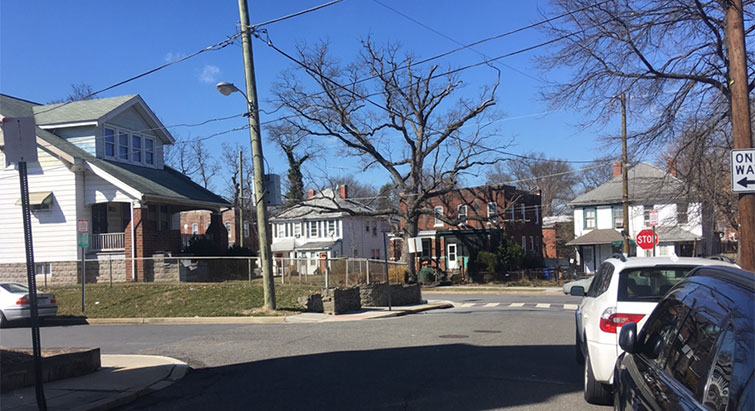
column 338, row 228
column 513, row 212
column 42, row 269
column 524, row 215
column 109, row 142
column 537, row 214
column 246, row 229
column 524, row 244
column 288, row 229
column 532, row 244
column 462, row 213
column 589, row 214
column 297, row 230
column 681, row 213
column 492, row 210
column 374, row 228
column 313, row 228
column 618, row 218
column 149, row 151
column 281, row 230
column 228, row 228
column 331, row 228
column 427, row 247
column 195, row 228
column 438, row 212
column 136, row 149
column 123, row 146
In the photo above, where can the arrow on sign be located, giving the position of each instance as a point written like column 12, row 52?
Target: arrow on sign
column 745, row 182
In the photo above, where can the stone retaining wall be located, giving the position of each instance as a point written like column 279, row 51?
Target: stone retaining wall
column 341, row 300
column 375, row 295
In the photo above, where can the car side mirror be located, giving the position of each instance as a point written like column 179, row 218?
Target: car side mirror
column 577, row 291
column 628, row 337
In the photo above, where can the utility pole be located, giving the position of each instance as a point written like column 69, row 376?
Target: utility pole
column 624, row 174
column 240, row 228
column 257, row 162
column 740, row 124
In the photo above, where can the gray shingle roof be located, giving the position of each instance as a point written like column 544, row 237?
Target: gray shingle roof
column 165, row 183
column 647, row 184
column 326, row 204
column 78, row 111
column 602, row 236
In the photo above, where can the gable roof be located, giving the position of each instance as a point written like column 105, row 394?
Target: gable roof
column 326, row 204
column 78, row 111
column 165, row 184
column 647, row 184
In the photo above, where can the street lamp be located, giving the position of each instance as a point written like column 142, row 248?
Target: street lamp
column 260, row 204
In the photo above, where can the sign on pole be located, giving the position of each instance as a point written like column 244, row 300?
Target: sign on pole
column 415, row 245
column 646, row 239
column 653, row 214
column 743, row 170
column 19, row 140
column 82, row 227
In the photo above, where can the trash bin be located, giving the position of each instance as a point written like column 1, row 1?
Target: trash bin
column 426, row 275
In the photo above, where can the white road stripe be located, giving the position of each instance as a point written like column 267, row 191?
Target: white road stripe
column 570, row 306
column 492, row 305
column 517, row 305
column 543, row 306
column 466, row 305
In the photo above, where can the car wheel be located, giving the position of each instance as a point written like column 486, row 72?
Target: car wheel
column 595, row 392
column 3, row 320
column 578, row 354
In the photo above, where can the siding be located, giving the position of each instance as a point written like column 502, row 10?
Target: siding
column 53, row 232
column 83, row 137
column 97, row 190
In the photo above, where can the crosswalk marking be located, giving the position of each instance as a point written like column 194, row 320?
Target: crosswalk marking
column 543, row 306
column 492, row 304
column 517, row 305
column 570, row 306
column 466, row 305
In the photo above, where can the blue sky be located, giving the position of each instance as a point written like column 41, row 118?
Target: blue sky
column 45, row 46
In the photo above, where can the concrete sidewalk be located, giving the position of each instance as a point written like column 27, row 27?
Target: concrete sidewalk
column 368, row 313
column 120, row 380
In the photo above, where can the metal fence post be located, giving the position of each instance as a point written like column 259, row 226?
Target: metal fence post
column 368, row 271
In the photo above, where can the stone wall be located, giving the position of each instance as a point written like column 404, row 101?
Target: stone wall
column 341, row 300
column 375, row 295
column 62, row 273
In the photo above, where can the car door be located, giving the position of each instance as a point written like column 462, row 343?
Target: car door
column 595, row 303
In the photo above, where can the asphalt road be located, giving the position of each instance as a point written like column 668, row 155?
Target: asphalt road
column 467, row 358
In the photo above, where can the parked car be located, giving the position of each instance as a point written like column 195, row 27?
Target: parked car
column 584, row 283
column 697, row 350
column 623, row 290
column 15, row 305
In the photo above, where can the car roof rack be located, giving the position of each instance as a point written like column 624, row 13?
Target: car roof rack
column 620, row 256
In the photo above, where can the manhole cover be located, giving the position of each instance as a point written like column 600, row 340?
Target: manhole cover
column 454, row 336
column 487, row 331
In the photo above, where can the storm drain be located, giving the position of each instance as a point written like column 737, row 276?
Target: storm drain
column 487, row 331
column 453, row 336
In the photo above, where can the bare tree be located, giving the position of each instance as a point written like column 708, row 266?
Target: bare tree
column 191, row 158
column 593, row 176
column 403, row 120
column 361, row 192
column 79, row 92
column 555, row 179
column 297, row 148
column 669, row 57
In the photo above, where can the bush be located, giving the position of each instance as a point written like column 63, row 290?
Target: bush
column 238, row 251
column 203, row 247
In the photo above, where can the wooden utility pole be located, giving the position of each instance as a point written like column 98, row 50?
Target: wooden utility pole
column 624, row 175
column 740, row 124
column 260, row 204
column 240, row 228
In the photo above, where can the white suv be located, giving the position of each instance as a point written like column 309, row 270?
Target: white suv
column 623, row 290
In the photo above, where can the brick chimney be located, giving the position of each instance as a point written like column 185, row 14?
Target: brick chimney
column 616, row 168
column 310, row 193
column 342, row 191
column 671, row 166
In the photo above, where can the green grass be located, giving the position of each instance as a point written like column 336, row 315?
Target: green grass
column 129, row 300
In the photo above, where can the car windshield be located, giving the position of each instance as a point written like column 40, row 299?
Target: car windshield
column 15, row 288
column 649, row 283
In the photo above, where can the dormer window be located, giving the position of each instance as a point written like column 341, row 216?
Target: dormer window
column 136, row 145
column 149, row 151
column 109, row 142
column 128, row 147
column 123, row 146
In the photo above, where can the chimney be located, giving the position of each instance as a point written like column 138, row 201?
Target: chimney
column 310, row 193
column 671, row 166
column 342, row 191
column 616, row 168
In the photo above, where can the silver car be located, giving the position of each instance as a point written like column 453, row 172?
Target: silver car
column 15, row 304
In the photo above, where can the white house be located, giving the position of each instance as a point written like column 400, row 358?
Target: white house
column 326, row 225
column 598, row 216
column 102, row 161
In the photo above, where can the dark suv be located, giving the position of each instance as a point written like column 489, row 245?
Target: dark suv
column 696, row 350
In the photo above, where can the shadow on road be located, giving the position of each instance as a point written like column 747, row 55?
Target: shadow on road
column 437, row 377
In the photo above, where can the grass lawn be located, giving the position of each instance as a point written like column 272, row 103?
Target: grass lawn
column 235, row 298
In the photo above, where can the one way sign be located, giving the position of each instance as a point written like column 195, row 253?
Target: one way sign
column 743, row 170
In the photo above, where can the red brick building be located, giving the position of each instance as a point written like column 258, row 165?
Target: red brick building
column 196, row 222
column 467, row 220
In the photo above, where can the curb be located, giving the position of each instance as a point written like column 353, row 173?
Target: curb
column 186, row 320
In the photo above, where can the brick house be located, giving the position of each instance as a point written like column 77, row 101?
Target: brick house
column 102, row 161
column 552, row 232
column 466, row 220
column 196, row 222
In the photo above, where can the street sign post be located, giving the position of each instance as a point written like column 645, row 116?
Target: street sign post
column 646, row 239
column 82, row 227
column 743, row 170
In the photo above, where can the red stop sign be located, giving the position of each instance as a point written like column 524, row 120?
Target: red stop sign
column 646, row 239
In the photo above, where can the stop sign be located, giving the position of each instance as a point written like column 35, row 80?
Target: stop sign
column 646, row 239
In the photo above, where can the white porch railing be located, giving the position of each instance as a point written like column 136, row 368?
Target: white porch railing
column 106, row 241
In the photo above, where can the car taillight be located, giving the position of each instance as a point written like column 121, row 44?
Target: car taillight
column 23, row 300
column 610, row 320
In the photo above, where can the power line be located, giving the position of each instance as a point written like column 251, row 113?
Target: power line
column 298, row 13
